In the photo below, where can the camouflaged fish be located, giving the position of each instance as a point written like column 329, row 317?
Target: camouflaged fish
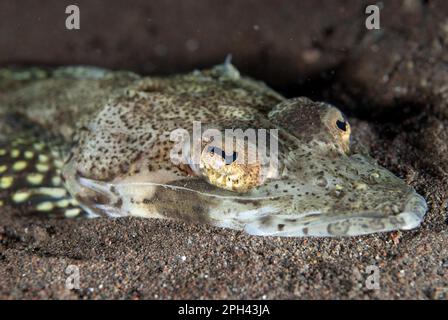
column 85, row 141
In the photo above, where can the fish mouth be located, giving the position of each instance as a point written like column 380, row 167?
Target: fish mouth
column 258, row 216
column 326, row 225
column 261, row 214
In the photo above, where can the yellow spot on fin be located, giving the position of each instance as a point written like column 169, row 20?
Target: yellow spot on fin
column 64, row 203
column 20, row 196
column 42, row 167
column 45, row 206
column 39, row 146
column 43, row 158
column 56, row 180
column 15, row 153
column 29, row 154
column 6, row 182
column 52, row 192
column 59, row 164
column 19, row 165
column 35, row 178
column 71, row 213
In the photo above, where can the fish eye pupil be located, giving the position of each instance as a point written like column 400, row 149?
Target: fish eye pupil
column 341, row 125
column 211, row 150
column 228, row 159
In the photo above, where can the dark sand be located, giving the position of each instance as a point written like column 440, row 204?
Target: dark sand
column 393, row 86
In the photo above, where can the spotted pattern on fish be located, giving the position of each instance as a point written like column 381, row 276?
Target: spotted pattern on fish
column 30, row 177
column 112, row 155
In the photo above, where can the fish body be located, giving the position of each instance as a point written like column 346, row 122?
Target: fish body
column 81, row 140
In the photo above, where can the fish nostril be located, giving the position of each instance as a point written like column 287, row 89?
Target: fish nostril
column 321, row 181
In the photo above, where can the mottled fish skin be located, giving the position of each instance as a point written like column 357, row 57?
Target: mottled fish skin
column 40, row 111
column 111, row 131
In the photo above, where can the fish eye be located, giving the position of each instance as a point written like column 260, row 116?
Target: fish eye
column 338, row 127
column 224, row 170
column 342, row 125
